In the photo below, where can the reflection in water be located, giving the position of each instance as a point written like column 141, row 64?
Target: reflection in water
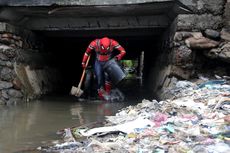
column 105, row 109
column 76, row 110
column 34, row 124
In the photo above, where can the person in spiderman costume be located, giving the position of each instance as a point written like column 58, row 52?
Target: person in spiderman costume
column 103, row 48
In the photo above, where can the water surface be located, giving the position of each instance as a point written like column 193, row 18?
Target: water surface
column 29, row 125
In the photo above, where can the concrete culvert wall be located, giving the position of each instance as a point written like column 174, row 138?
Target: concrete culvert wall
column 44, row 55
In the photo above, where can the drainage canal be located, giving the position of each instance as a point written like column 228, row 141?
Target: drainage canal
column 42, row 44
column 48, row 42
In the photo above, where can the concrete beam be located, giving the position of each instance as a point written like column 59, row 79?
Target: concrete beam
column 91, row 14
column 53, row 24
column 73, row 2
column 151, row 32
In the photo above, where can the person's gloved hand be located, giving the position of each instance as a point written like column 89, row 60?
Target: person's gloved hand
column 83, row 65
column 117, row 58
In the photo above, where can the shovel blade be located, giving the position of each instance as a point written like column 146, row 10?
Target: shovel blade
column 76, row 91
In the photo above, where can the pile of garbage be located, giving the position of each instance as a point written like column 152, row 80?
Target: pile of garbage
column 195, row 120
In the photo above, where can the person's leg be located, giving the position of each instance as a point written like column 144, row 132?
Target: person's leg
column 108, row 83
column 99, row 74
column 100, row 79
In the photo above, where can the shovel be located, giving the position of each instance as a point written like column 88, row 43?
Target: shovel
column 76, row 91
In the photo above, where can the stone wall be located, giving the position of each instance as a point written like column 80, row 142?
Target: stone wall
column 11, row 88
column 227, row 15
column 205, row 31
column 24, row 71
column 201, row 38
column 10, row 85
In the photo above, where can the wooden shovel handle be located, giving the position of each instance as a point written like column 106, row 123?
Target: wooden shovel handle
column 83, row 73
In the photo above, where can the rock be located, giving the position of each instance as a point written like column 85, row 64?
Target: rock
column 201, row 43
column 3, row 48
column 225, row 52
column 19, row 43
column 180, row 73
column 212, row 34
column 7, row 35
column 176, row 44
column 225, row 34
column 15, row 93
column 182, row 55
column 5, row 95
column 8, row 51
column 11, row 53
column 6, row 74
column 9, row 64
column 3, row 57
column 13, row 45
column 182, row 35
column 17, row 83
column 213, row 53
column 227, row 118
column 6, row 63
column 6, row 41
column 197, row 35
column 5, row 85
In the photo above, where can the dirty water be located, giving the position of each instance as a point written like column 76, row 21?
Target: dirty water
column 27, row 126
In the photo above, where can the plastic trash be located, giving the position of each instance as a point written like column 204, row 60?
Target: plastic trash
column 68, row 136
column 195, row 120
column 128, row 127
column 218, row 148
column 159, row 118
column 184, row 84
column 211, row 84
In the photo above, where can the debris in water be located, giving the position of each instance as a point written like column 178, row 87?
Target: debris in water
column 195, row 120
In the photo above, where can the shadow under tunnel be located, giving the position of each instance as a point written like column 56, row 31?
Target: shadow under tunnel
column 67, row 52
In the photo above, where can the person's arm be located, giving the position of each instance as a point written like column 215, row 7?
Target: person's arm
column 87, row 53
column 122, row 51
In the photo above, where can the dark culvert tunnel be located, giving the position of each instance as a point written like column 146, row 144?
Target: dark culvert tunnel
column 65, row 31
column 66, row 51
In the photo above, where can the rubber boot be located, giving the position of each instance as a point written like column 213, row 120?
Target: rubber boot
column 102, row 94
column 108, row 87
